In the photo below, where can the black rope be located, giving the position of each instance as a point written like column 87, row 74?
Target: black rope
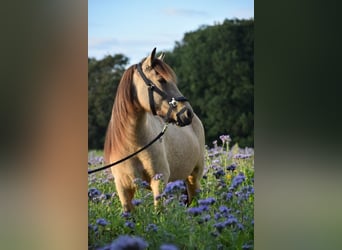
column 131, row 155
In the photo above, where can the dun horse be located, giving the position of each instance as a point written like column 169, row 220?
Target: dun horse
column 146, row 98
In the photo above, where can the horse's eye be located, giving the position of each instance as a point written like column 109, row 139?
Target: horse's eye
column 162, row 80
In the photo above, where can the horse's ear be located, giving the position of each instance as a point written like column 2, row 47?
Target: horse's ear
column 161, row 56
column 151, row 58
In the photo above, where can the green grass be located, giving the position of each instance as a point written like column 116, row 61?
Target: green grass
column 173, row 223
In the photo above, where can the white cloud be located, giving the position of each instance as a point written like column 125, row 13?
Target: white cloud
column 184, row 12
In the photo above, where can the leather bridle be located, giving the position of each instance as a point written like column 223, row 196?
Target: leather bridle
column 172, row 101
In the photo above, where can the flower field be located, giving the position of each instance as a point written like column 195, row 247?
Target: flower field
column 220, row 217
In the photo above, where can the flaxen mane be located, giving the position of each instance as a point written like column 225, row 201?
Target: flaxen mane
column 123, row 108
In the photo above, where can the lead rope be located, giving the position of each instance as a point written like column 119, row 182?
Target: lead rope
column 131, row 155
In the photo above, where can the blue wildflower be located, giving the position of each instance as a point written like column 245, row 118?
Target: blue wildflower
column 231, row 167
column 195, row 211
column 102, row 197
column 205, row 218
column 158, row 177
column 219, row 172
column 208, row 201
column 93, row 192
column 130, row 224
column 102, row 222
column 151, row 228
column 217, row 216
column 246, row 246
column 168, row 247
column 136, row 202
column 124, row 242
column 204, row 207
column 240, row 226
column 224, row 210
column 228, row 196
column 231, row 220
column 220, row 226
column 242, row 156
column 174, row 186
column 145, row 184
column 169, row 200
column 237, row 180
column 126, row 215
column 183, row 198
column 225, row 138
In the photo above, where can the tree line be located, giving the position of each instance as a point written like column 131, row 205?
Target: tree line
column 214, row 66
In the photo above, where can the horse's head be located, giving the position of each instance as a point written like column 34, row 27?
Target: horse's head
column 157, row 92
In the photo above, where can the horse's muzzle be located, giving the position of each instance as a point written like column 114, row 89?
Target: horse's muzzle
column 184, row 117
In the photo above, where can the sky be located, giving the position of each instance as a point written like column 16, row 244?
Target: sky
column 134, row 27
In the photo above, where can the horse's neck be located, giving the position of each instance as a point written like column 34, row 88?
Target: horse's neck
column 138, row 129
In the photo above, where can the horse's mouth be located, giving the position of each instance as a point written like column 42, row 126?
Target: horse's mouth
column 183, row 122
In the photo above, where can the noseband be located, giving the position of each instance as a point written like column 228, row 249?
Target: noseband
column 173, row 101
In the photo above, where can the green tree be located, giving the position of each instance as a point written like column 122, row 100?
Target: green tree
column 214, row 65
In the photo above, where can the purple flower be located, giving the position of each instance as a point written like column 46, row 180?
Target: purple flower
column 197, row 210
column 169, row 200
column 240, row 226
column 126, row 215
column 183, row 198
column 204, row 207
column 217, row 216
column 130, row 224
column 174, row 187
column 168, row 247
column 205, row 218
column 208, row 201
column 136, row 202
column 228, row 196
column 242, row 156
column 225, row 138
column 94, row 160
column 102, row 222
column 220, row 226
column 93, row 192
column 219, row 172
column 237, row 180
column 151, row 228
column 158, row 177
column 246, row 246
column 231, row 167
column 231, row 220
column 102, row 197
column 127, row 242
column 224, row 210
column 140, row 183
